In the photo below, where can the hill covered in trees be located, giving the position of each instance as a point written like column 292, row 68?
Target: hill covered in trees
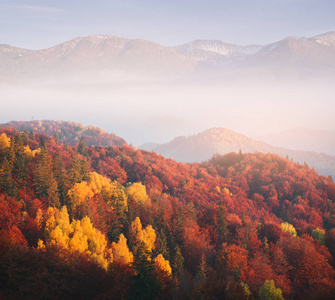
column 118, row 222
column 203, row 146
column 68, row 132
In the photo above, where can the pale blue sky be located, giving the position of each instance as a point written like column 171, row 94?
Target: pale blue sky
column 44, row 23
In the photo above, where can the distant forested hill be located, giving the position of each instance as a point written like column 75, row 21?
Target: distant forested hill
column 203, row 146
column 69, row 132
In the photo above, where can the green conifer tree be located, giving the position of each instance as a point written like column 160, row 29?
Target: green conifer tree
column 177, row 262
column 44, row 181
column 56, row 138
column 7, row 183
column 59, row 172
column 79, row 170
column 82, row 147
column 144, row 284
column 163, row 248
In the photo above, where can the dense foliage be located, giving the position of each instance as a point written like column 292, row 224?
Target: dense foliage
column 120, row 223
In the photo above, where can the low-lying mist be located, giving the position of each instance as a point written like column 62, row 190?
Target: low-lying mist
column 155, row 109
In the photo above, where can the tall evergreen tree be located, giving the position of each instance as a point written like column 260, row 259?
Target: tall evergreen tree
column 20, row 160
column 163, row 248
column 79, row 170
column 82, row 147
column 60, row 176
column 45, row 183
column 56, row 138
column 144, row 284
column 7, row 183
column 178, row 262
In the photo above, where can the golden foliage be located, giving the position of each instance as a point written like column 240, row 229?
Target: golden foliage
column 149, row 237
column 138, row 235
column 121, row 251
column 78, row 236
column 112, row 192
column 138, row 191
column 4, row 141
column 79, row 193
column 287, row 227
column 163, row 265
column 98, row 182
column 31, row 153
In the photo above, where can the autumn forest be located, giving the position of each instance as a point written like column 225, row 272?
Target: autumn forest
column 86, row 219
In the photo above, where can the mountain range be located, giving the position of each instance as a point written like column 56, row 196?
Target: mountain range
column 297, row 57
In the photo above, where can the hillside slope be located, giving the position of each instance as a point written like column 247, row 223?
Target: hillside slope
column 68, row 132
column 204, row 145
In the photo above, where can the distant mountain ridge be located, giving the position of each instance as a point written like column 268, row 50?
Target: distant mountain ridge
column 204, row 145
column 297, row 57
column 292, row 56
column 92, row 54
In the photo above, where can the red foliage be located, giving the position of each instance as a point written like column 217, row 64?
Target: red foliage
column 257, row 192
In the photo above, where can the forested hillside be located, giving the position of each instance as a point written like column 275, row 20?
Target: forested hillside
column 80, row 222
column 68, row 132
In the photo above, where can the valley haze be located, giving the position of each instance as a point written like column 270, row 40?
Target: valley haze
column 146, row 92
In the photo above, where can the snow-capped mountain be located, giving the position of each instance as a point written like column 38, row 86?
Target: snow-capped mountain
column 215, row 50
column 327, row 39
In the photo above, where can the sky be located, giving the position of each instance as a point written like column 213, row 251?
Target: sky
column 44, row 23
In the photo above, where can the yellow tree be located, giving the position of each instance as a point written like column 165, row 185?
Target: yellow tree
column 138, row 235
column 287, row 227
column 112, row 192
column 79, row 241
column 138, row 192
column 98, row 182
column 116, row 196
column 162, row 265
column 4, row 141
column 163, row 271
column 58, row 227
column 78, row 194
column 31, row 153
column 121, row 251
column 78, row 236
